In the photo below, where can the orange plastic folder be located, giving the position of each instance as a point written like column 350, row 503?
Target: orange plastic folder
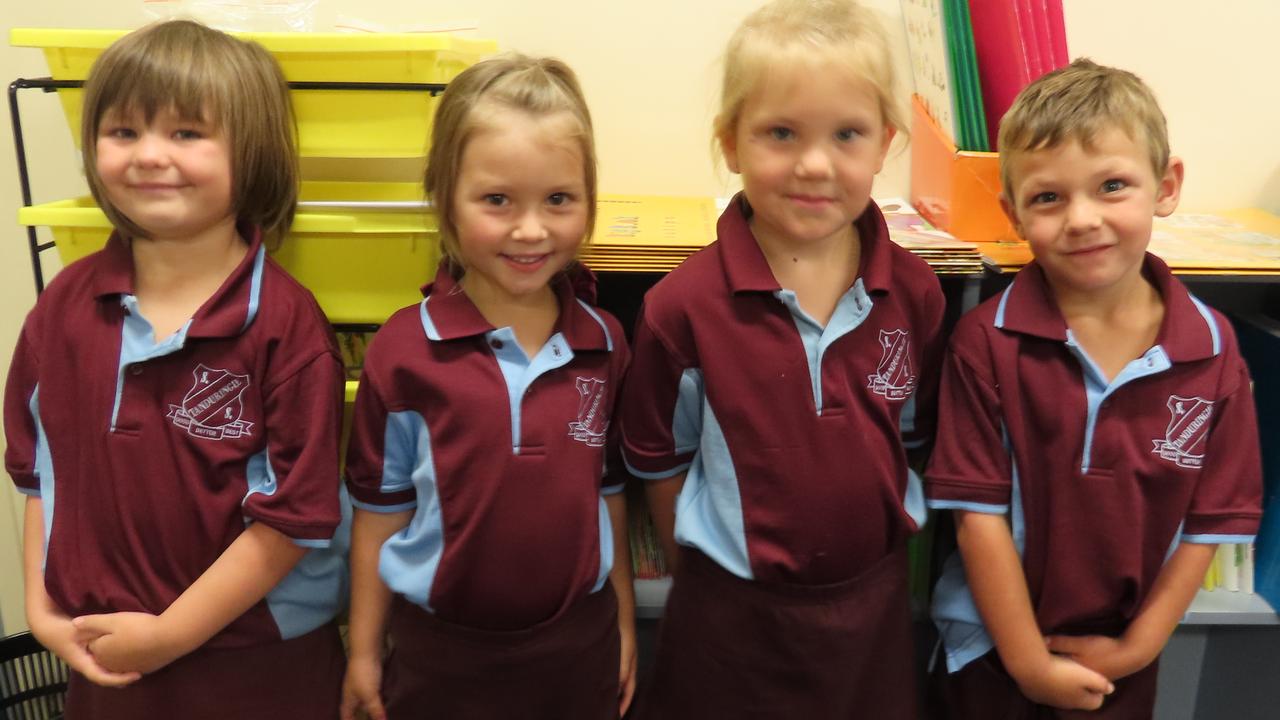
column 957, row 191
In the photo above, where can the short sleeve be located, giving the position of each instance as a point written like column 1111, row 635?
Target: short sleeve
column 21, row 414
column 970, row 465
column 614, row 477
column 1226, row 505
column 383, row 448
column 303, row 420
column 659, row 433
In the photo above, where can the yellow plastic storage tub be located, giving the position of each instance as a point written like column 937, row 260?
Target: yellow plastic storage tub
column 364, row 254
column 331, row 123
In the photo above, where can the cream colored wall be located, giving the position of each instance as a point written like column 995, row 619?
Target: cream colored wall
column 648, row 70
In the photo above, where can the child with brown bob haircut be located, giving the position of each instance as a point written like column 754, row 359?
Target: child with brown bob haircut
column 173, row 407
column 1097, row 434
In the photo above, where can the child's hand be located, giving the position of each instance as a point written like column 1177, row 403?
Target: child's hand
column 1109, row 656
column 59, row 635
column 127, row 641
column 627, row 668
column 1065, row 683
column 362, row 689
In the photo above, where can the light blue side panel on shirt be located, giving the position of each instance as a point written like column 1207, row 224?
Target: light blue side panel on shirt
column 709, row 508
column 606, row 547
column 43, row 468
column 410, row 558
column 317, row 588
column 964, row 636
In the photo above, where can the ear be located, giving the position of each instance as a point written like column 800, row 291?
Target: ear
column 1011, row 212
column 889, row 134
column 1170, row 189
column 729, row 149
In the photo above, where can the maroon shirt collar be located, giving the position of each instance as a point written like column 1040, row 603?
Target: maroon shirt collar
column 745, row 266
column 1186, row 334
column 225, row 314
column 455, row 316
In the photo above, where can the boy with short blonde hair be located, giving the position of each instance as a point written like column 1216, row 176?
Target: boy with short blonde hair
column 1097, row 437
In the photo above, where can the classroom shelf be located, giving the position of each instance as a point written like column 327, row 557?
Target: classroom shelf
column 1223, row 607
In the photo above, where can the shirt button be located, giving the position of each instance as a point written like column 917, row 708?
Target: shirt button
column 496, row 344
column 135, row 369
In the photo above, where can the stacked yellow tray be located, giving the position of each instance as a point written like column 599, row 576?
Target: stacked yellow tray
column 331, row 123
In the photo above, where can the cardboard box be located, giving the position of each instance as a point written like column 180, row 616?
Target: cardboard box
column 958, row 191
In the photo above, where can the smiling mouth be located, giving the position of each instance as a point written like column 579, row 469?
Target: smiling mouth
column 1089, row 250
column 527, row 263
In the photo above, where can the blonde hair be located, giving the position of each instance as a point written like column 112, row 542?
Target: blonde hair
column 791, row 33
column 536, row 86
column 202, row 75
column 1078, row 102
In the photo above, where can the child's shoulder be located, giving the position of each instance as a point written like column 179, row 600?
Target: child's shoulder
column 700, row 277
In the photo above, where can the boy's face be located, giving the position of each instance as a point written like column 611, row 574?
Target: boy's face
column 808, row 144
column 1087, row 212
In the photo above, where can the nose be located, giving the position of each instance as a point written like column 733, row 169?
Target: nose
column 814, row 163
column 529, row 227
column 150, row 150
column 1082, row 216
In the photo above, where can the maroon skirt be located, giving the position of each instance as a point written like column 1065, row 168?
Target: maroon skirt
column 563, row 669
column 731, row 648
column 984, row 690
column 297, row 678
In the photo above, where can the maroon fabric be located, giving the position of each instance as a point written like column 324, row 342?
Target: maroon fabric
column 983, row 690
column 729, row 648
column 1175, row 448
column 564, row 669
column 142, row 510
column 298, row 678
column 504, row 564
column 810, row 516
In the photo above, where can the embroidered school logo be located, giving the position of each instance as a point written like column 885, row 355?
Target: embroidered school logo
column 212, row 407
column 591, row 423
column 894, row 378
column 1184, row 439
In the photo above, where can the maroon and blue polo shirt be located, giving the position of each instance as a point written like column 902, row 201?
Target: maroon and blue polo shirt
column 499, row 455
column 793, row 435
column 1100, row 478
column 152, row 457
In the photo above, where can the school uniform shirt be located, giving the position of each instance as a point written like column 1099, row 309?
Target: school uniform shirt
column 499, row 455
column 793, row 435
column 1100, row 479
column 151, row 458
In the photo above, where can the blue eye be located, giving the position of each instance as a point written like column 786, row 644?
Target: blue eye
column 1043, row 198
column 781, row 133
column 847, row 134
column 187, row 134
column 1113, row 185
column 559, row 199
column 495, row 199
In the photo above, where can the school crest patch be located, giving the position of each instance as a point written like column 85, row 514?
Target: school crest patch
column 592, row 423
column 212, row 408
column 1188, row 431
column 894, row 377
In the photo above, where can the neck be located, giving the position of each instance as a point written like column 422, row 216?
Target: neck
column 166, row 263
column 779, row 249
column 1135, row 294
column 503, row 310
